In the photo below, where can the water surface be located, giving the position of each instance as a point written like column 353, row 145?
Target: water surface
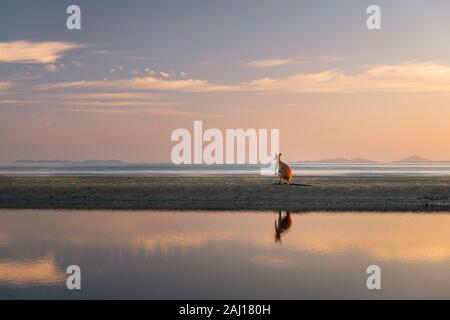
column 155, row 170
column 223, row 255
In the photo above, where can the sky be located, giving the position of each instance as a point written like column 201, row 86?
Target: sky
column 136, row 71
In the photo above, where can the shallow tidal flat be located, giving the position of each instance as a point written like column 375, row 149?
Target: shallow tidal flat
column 227, row 193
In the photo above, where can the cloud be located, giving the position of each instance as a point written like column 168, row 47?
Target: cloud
column 408, row 77
column 151, row 72
column 159, row 111
column 53, row 68
column 106, row 96
column 208, row 62
column 134, row 102
column 5, row 85
column 119, row 103
column 8, row 101
column 78, row 64
column 94, row 99
column 411, row 77
column 33, row 52
column 268, row 63
column 144, row 83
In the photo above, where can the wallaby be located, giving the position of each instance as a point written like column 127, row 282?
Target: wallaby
column 283, row 225
column 283, row 170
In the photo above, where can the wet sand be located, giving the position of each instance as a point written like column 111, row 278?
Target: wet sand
column 226, row 193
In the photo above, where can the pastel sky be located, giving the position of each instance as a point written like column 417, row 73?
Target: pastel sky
column 137, row 70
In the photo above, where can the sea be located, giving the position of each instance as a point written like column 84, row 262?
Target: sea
column 154, row 170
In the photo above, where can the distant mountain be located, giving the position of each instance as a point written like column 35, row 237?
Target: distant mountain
column 96, row 162
column 415, row 159
column 411, row 159
column 103, row 162
column 42, row 161
column 340, row 160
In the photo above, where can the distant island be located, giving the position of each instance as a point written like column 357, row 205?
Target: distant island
column 411, row 159
column 96, row 162
column 339, row 160
column 415, row 159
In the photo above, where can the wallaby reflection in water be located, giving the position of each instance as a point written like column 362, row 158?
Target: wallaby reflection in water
column 282, row 225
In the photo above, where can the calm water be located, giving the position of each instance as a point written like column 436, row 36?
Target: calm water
column 357, row 170
column 223, row 255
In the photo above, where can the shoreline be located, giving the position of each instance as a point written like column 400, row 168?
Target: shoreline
column 254, row 193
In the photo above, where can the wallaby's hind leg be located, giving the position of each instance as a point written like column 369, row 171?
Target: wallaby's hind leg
column 279, row 182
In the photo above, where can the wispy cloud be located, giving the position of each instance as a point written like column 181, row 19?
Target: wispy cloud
column 106, row 96
column 145, row 83
column 100, row 102
column 8, row 102
column 5, row 85
column 34, row 52
column 268, row 63
column 411, row 77
column 119, row 103
column 159, row 111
